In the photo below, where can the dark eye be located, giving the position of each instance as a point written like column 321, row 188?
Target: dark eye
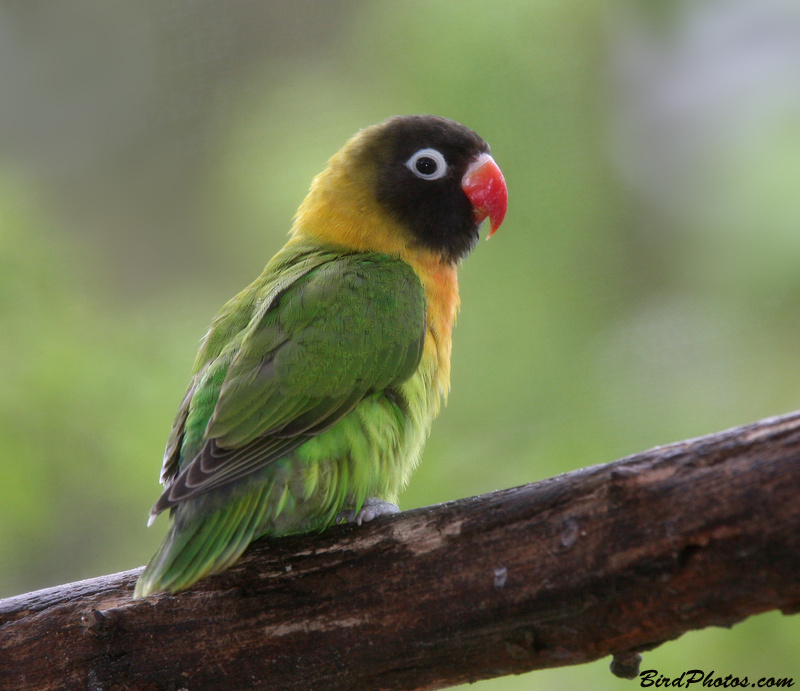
column 427, row 164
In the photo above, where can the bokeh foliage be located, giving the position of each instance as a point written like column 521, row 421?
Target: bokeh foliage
column 643, row 289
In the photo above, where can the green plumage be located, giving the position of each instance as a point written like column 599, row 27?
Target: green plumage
column 307, row 398
column 315, row 388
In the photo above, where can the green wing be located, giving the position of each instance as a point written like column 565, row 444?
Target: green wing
column 351, row 326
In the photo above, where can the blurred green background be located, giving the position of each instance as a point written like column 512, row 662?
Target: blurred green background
column 643, row 289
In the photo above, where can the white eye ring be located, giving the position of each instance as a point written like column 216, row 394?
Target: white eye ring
column 431, row 155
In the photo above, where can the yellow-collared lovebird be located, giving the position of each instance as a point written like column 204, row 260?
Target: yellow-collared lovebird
column 315, row 387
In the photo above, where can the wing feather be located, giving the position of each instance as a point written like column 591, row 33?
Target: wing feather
column 351, row 326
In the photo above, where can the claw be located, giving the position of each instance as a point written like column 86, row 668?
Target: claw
column 372, row 508
column 346, row 516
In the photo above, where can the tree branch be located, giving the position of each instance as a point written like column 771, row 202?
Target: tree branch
column 612, row 559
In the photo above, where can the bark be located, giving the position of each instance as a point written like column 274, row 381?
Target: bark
column 609, row 560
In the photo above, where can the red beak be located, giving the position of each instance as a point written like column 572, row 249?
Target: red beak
column 485, row 187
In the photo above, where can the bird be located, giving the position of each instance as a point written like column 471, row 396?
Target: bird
column 314, row 389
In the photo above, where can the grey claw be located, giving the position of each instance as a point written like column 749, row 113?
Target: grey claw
column 372, row 509
column 346, row 516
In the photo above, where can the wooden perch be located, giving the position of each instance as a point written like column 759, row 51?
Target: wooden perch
column 609, row 560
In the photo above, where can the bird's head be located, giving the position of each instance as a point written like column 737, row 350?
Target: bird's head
column 412, row 183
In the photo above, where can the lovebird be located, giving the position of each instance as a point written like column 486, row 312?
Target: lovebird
column 314, row 389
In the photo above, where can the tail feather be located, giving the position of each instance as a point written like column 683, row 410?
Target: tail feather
column 151, row 579
column 244, row 534
column 203, row 544
column 195, row 558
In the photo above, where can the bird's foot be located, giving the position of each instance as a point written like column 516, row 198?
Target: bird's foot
column 372, row 508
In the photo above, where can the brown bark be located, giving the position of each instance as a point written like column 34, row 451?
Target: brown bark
column 609, row 560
